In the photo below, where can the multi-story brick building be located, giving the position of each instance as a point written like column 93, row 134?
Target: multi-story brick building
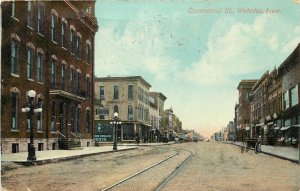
column 273, row 106
column 290, row 71
column 258, row 101
column 244, row 107
column 47, row 47
column 129, row 97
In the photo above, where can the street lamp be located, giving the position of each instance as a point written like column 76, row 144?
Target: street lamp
column 115, row 123
column 31, row 109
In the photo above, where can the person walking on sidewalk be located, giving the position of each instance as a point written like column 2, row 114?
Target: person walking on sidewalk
column 137, row 139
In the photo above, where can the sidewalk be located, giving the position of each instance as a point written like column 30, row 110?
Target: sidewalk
column 50, row 156
column 288, row 153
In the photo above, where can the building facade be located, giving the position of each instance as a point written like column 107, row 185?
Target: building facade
column 244, row 107
column 47, row 47
column 258, row 100
column 129, row 97
column 290, row 71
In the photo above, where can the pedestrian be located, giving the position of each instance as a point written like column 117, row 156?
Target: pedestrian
column 137, row 139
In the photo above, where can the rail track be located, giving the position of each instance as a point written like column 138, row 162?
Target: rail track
column 161, row 184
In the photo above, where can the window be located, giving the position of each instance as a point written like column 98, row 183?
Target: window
column 29, row 14
column 14, row 111
column 13, row 8
column 39, row 67
column 29, row 63
column 78, row 84
column 72, row 44
column 88, row 122
column 78, row 46
column 53, row 108
column 14, row 58
column 294, row 96
column 130, row 92
column 63, row 76
column 53, row 72
column 63, row 34
column 39, row 116
column 88, row 87
column 40, row 18
column 116, row 92
column 116, row 109
column 88, row 53
column 53, row 27
column 130, row 112
column 102, row 95
column 15, row 147
column 78, row 119
column 72, row 73
column 285, row 100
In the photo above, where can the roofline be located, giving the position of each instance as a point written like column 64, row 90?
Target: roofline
column 98, row 79
column 289, row 57
column 161, row 95
column 261, row 78
column 246, row 81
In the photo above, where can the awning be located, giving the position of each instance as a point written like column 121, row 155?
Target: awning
column 285, row 128
column 260, row 124
column 276, row 128
column 298, row 125
column 270, row 123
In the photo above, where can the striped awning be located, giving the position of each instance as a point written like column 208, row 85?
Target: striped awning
column 285, row 128
column 260, row 124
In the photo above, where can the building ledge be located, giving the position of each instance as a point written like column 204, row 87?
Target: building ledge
column 66, row 95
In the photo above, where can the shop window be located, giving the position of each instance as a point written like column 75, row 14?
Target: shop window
column 15, row 147
column 40, row 146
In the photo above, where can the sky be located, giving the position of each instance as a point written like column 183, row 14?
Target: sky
column 195, row 52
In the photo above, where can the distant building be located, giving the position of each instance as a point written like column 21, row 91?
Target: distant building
column 244, row 107
column 129, row 97
column 158, row 106
column 47, row 47
column 259, row 100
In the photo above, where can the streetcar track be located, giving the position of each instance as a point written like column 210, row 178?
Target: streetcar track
column 166, row 179
column 175, row 172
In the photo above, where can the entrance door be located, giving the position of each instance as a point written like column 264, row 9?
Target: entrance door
column 62, row 115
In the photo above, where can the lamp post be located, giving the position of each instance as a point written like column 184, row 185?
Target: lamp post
column 115, row 123
column 30, row 109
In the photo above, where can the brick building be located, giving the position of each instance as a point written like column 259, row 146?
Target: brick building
column 290, row 71
column 47, row 47
column 243, row 108
column 258, row 101
column 129, row 97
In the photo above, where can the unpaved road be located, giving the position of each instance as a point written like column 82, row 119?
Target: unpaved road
column 215, row 166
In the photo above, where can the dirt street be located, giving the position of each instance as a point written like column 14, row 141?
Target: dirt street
column 215, row 166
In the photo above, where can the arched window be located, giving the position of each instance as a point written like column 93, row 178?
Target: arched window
column 63, row 33
column 14, row 92
column 78, row 46
column 88, row 52
column 39, row 114
column 40, row 61
column 54, row 17
column 15, row 42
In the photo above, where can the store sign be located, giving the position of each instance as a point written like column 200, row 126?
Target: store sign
column 103, row 132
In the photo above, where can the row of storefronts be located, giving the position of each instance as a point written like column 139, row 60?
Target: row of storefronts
column 269, row 107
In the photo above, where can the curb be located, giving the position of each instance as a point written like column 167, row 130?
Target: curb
column 55, row 160
column 274, row 155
